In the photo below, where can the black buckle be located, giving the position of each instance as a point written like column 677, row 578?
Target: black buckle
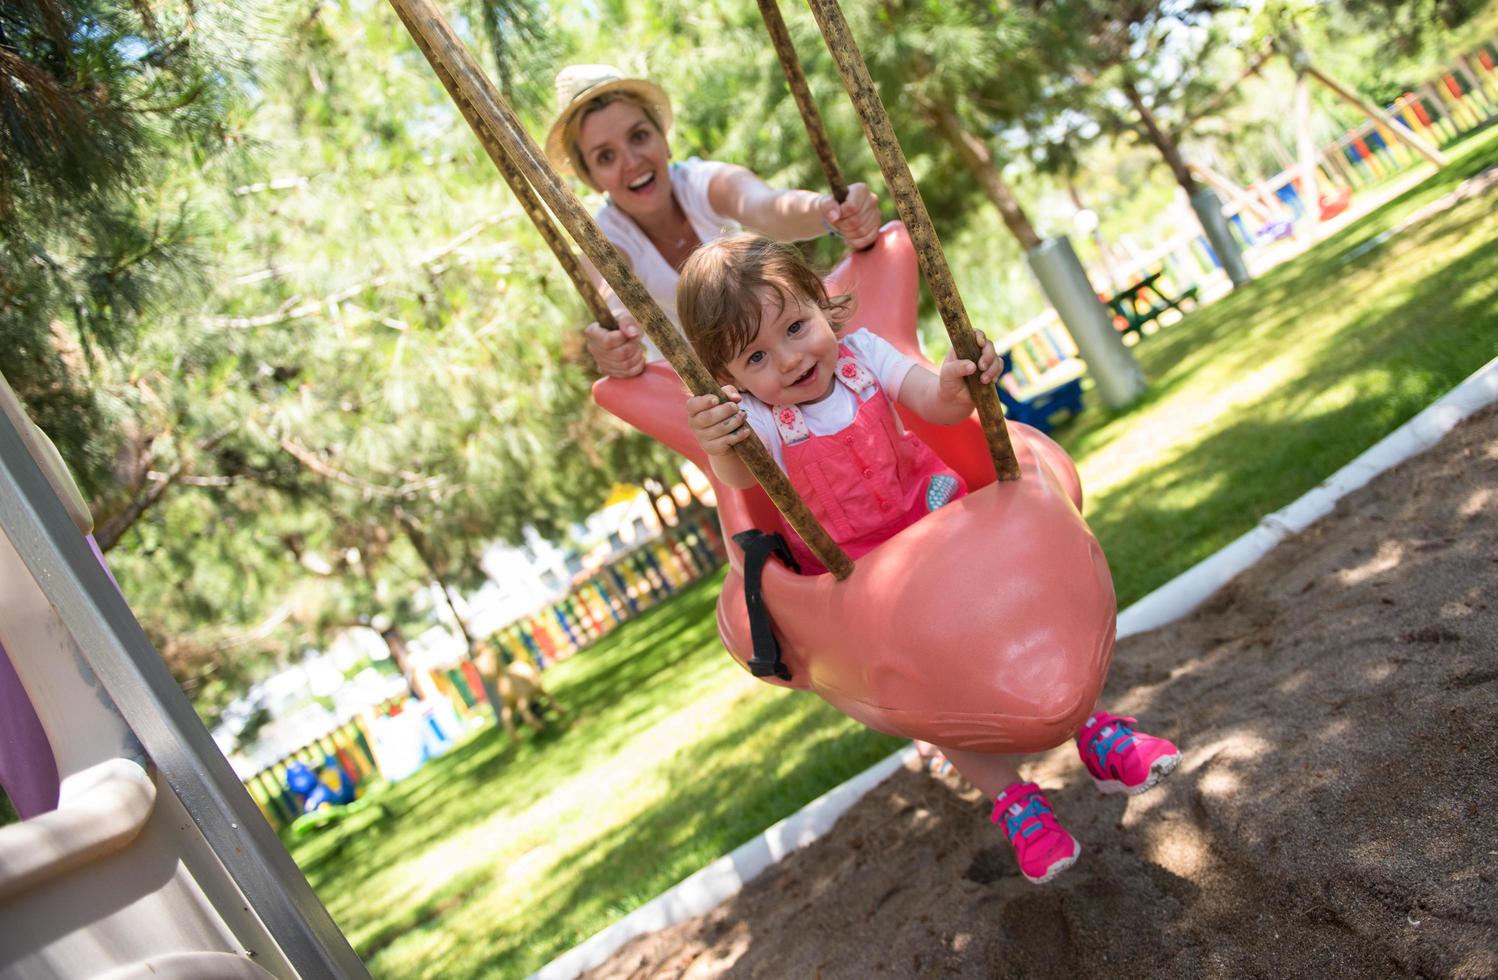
column 769, row 668
column 758, row 547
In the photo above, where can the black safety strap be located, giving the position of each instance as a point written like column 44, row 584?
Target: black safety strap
column 758, row 547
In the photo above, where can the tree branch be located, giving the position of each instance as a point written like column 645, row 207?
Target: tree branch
column 298, row 308
column 1228, row 91
column 108, row 535
column 313, row 462
column 181, row 102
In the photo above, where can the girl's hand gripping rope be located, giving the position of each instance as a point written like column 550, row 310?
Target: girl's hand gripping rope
column 951, row 386
column 718, row 425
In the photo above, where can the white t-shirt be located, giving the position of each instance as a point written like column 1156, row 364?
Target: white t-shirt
column 689, row 184
column 836, row 412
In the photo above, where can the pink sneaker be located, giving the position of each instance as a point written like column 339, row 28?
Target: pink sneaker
column 1041, row 846
column 1120, row 759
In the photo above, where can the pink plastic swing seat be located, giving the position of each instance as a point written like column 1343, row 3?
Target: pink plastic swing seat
column 988, row 625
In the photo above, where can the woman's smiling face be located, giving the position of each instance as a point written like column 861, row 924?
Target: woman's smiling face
column 627, row 157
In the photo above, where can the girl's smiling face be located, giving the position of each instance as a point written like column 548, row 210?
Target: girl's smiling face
column 793, row 358
column 627, row 157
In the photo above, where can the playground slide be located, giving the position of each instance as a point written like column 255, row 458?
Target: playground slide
column 115, row 878
column 117, row 881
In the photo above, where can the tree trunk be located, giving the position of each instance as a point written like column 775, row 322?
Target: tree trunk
column 976, row 156
column 395, row 642
column 422, row 548
column 1163, row 141
column 1203, row 200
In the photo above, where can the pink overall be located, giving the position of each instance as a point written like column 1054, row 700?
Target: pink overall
column 867, row 482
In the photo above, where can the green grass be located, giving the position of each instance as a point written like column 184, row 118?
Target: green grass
column 499, row 858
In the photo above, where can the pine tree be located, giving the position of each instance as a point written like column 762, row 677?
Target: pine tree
column 97, row 99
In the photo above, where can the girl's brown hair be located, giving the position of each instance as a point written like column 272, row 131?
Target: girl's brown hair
column 722, row 285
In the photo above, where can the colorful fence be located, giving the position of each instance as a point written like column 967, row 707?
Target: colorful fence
column 1463, row 97
column 615, row 593
column 464, row 688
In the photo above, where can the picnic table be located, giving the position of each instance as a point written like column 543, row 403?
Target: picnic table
column 1144, row 301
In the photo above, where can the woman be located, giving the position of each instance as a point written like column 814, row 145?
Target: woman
column 611, row 132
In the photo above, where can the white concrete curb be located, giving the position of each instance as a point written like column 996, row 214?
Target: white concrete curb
column 726, row 876
column 1188, row 590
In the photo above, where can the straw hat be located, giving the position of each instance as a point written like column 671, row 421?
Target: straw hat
column 576, row 86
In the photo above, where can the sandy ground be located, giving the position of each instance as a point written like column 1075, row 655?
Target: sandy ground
column 1335, row 813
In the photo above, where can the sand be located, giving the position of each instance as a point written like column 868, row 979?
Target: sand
column 1335, row 812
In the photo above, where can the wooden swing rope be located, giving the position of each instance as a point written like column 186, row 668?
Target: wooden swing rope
column 912, row 208
column 487, row 111
column 816, row 131
column 526, row 195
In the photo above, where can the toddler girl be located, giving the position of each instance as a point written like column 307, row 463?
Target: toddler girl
column 763, row 324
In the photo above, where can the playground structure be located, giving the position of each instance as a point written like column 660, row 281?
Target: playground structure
column 1053, row 396
column 1266, row 213
column 1385, row 142
column 328, row 785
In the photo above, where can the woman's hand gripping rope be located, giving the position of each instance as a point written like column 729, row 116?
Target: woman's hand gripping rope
column 618, row 353
column 856, row 220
